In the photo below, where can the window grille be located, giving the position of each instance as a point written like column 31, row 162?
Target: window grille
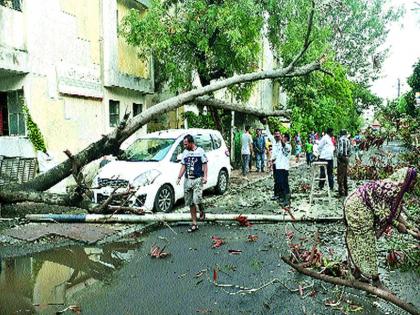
column 114, row 113
column 137, row 109
column 17, row 119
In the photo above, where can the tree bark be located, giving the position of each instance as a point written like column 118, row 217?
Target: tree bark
column 385, row 295
column 212, row 102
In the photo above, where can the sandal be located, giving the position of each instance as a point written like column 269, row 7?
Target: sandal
column 193, row 228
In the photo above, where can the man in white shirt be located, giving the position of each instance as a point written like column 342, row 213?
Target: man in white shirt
column 280, row 158
column 326, row 154
column 275, row 146
column 246, row 149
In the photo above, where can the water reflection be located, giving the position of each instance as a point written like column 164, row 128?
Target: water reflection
column 42, row 284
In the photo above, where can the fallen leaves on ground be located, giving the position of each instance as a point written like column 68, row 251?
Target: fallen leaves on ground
column 217, row 241
column 243, row 220
column 252, row 238
column 157, row 252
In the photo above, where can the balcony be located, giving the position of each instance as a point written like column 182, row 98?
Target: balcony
column 13, row 54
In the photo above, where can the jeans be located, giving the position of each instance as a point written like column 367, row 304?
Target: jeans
column 309, row 158
column 245, row 164
column 282, row 181
column 330, row 166
column 259, row 161
column 342, row 165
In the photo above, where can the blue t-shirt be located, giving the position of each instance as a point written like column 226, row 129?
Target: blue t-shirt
column 193, row 161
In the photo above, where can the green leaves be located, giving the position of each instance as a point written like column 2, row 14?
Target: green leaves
column 214, row 38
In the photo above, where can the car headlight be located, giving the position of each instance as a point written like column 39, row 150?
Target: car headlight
column 146, row 178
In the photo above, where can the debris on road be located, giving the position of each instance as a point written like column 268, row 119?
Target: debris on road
column 217, row 241
column 157, row 252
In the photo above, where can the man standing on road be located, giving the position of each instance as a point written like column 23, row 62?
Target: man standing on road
column 276, row 146
column 281, row 158
column 259, row 150
column 343, row 153
column 326, row 154
column 194, row 166
column 246, row 149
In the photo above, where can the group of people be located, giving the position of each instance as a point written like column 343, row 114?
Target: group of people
column 277, row 152
column 256, row 147
column 369, row 211
column 324, row 150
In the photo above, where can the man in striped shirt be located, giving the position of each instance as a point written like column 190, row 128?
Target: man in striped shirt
column 343, row 153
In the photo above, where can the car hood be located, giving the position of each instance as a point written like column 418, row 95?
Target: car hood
column 126, row 170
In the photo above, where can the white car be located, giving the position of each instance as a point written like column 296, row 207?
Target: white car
column 150, row 168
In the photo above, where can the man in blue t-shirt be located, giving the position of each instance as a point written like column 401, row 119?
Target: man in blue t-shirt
column 194, row 166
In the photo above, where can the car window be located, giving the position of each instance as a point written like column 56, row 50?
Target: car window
column 217, row 142
column 148, row 149
column 204, row 141
column 178, row 150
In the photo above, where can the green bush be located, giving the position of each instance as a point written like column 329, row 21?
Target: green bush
column 34, row 134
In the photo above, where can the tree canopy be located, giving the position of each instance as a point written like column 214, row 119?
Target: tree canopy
column 219, row 38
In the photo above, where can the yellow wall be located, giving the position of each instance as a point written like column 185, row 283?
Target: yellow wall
column 87, row 14
column 128, row 61
column 67, row 122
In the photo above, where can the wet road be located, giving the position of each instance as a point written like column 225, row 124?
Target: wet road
column 182, row 282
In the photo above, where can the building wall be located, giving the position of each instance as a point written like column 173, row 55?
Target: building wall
column 66, row 50
column 128, row 62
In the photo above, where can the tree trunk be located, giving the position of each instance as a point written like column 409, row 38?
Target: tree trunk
column 111, row 142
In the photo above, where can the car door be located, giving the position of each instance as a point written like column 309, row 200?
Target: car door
column 176, row 164
column 219, row 154
column 204, row 141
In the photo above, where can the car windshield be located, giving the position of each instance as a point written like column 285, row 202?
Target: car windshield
column 151, row 149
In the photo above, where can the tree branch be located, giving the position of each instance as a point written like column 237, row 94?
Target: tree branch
column 107, row 144
column 216, row 103
column 307, row 41
column 388, row 296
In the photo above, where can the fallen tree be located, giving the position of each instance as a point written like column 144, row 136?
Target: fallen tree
column 110, row 143
column 33, row 191
column 381, row 293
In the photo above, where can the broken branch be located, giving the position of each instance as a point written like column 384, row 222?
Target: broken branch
column 385, row 295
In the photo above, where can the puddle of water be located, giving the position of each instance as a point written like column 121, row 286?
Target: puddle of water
column 42, row 283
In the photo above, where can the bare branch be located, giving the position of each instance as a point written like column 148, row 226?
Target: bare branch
column 243, row 108
column 327, row 72
column 307, row 41
column 386, row 295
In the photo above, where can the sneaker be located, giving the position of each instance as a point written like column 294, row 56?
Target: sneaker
column 274, row 197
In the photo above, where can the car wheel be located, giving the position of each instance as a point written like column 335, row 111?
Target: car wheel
column 164, row 200
column 222, row 182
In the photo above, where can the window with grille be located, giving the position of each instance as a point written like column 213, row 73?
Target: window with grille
column 137, row 109
column 114, row 113
column 12, row 116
